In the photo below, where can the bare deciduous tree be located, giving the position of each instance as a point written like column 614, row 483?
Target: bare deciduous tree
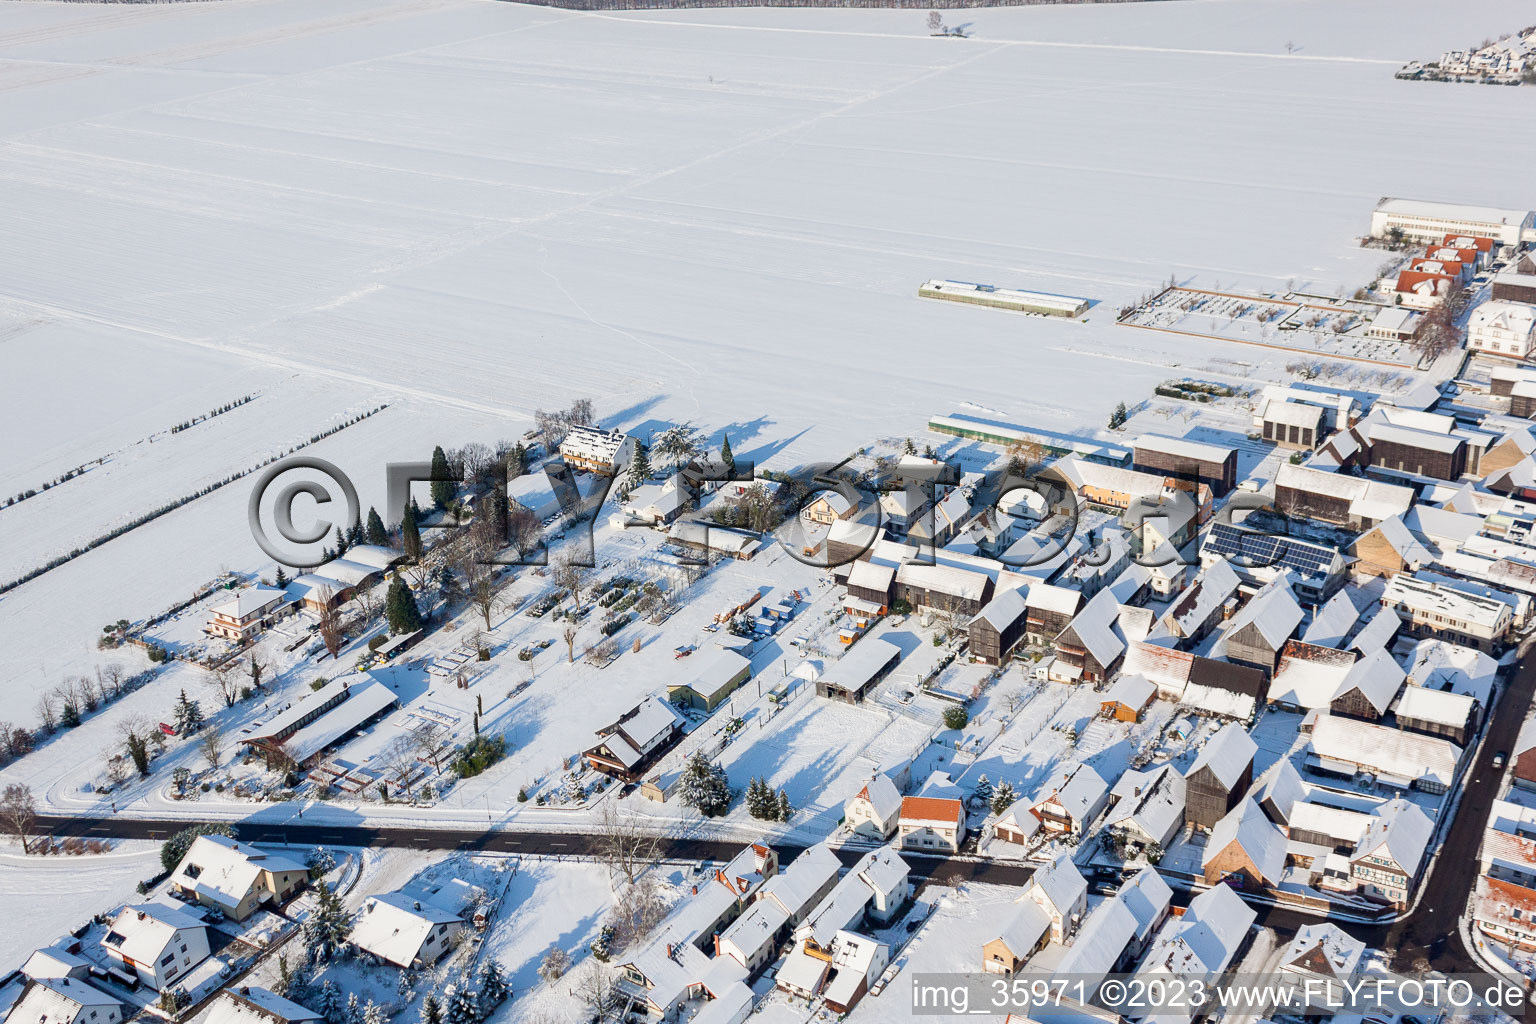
column 597, row 990
column 430, row 742
column 330, row 622
column 211, row 743
column 638, row 910
column 569, row 634
column 227, row 683
column 399, row 759
column 621, row 841
column 19, row 811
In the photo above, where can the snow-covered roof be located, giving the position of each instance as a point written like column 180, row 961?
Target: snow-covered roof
column 1259, row 838
column 856, row 668
column 394, row 926
column 1227, row 754
column 882, row 870
column 1333, row 620
column 1281, row 787
column 1094, row 626
column 53, row 962
column 871, row 576
column 1384, row 749
column 1462, row 212
column 1025, row 925
column 797, row 885
column 713, row 672
column 1440, row 707
column 1203, row 940
column 1399, row 830
column 227, row 870
column 1377, row 676
column 1384, row 625
column 1005, row 608
column 1131, row 690
column 362, row 703
column 944, row 579
column 1182, row 447
column 854, row 957
column 250, row 1004
column 1308, row 676
column 1370, row 499
column 1339, row 823
column 1204, row 597
column 1152, row 801
column 249, row 601
column 1100, row 942
column 1058, row 884
column 140, row 932
column 59, row 1001
column 1432, row 597
column 882, row 795
column 1273, row 611
column 1061, row 600
column 1324, row 949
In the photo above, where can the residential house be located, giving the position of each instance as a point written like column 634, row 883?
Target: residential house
column 628, row 747
column 1246, row 849
column 931, row 824
column 1324, row 953
column 250, row 1004
column 157, row 944
column 595, row 450
column 1200, row 944
column 1386, row 863
column 1060, row 890
column 1092, row 645
column 1455, row 716
column 1071, row 800
column 1503, row 328
column 403, row 931
column 1259, row 558
column 64, row 1001
column 1220, row 776
column 1018, row 824
column 1432, row 609
column 246, row 614
column 1147, row 807
column 874, row 810
column 1351, row 501
column 1204, row 604
column 236, row 878
column 1369, row 687
column 1049, row 610
column 781, row 903
column 1023, row 931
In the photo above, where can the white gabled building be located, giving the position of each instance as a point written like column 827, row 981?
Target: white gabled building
column 1201, row 943
column 874, row 810
column 1059, row 890
column 1386, row 862
column 236, row 878
column 596, row 450
column 403, row 931
column 64, row 1001
column 158, row 944
column 250, row 1004
column 1503, row 328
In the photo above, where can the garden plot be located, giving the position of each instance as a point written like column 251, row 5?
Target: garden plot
column 1302, row 324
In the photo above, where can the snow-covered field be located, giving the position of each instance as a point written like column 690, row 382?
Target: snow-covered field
column 470, row 209
column 44, row 897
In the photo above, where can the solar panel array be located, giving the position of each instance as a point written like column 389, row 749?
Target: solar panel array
column 1249, row 549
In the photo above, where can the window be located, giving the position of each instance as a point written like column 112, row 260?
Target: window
column 168, row 958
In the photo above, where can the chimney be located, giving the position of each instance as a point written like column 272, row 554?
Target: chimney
column 416, row 905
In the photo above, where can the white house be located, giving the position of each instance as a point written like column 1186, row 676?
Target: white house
column 933, row 824
column 246, row 613
column 1503, row 328
column 236, row 878
column 1387, row 859
column 1148, row 806
column 250, row 1004
column 157, row 943
column 403, row 931
column 1060, row 890
column 886, row 875
column 1071, row 800
column 1199, row 944
column 64, row 1001
column 597, row 450
column 874, row 810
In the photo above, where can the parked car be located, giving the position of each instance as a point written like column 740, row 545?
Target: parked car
column 1501, row 759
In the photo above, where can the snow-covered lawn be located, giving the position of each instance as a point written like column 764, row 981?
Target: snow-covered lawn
column 45, row 897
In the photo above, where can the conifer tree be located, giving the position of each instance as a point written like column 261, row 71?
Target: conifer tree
column 281, row 579
column 1002, row 798
column 431, row 1010
column 341, row 542
column 410, row 533
column 725, row 454
column 983, row 792
column 187, row 715
column 327, row 927
column 783, row 808
column 493, row 985
column 400, row 608
column 375, row 533
column 442, row 479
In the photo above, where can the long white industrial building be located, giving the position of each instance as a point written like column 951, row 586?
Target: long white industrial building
column 1425, row 221
column 1004, row 298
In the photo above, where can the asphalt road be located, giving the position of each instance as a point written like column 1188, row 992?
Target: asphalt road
column 1429, row 932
